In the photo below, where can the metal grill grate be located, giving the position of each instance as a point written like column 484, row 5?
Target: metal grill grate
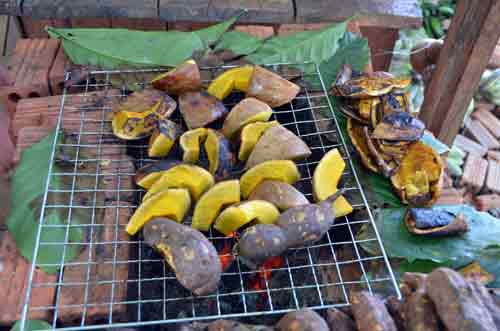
column 315, row 276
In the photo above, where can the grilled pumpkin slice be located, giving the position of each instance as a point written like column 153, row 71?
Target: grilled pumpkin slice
column 358, row 140
column 248, row 110
column 271, row 88
column 199, row 109
column 190, row 144
column 250, row 134
column 163, row 138
column 282, row 170
column 183, row 78
column 282, row 195
column 146, row 176
column 232, row 79
column 399, row 126
column 220, row 157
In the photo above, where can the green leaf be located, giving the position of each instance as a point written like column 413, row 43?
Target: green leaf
column 213, row 33
column 240, row 43
column 308, row 46
column 31, row 325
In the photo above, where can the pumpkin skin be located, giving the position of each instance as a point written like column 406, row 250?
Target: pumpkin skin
column 271, row 88
column 163, row 138
column 146, row 176
column 247, row 111
column 220, row 157
column 199, row 109
column 184, row 78
column 190, row 142
column 250, row 134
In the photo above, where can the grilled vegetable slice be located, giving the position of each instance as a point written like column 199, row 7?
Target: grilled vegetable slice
column 211, row 203
column 304, row 320
column 278, row 143
column 220, row 156
column 196, row 179
column 199, row 109
column 358, row 140
column 190, row 143
column 183, row 78
column 236, row 78
column 248, row 110
column 250, row 135
column 163, row 138
column 282, row 170
column 189, row 253
column 146, row 176
column 282, row 195
column 418, row 180
column 166, row 108
column 259, row 243
column 326, row 179
column 131, row 125
column 172, row 203
column 271, row 88
column 434, row 222
column 399, row 126
column 368, row 85
column 234, row 217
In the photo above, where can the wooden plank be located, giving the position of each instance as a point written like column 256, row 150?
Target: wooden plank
column 275, row 11
column 475, row 169
column 469, row 146
column 10, row 7
column 87, row 22
column 57, row 72
column 144, row 24
column 381, row 41
column 481, row 134
column 490, row 121
column 36, row 28
column 42, row 9
column 389, row 13
column 493, row 178
column 495, row 58
column 469, row 43
column 4, row 32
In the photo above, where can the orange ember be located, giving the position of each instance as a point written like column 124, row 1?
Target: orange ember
column 226, row 257
column 264, row 272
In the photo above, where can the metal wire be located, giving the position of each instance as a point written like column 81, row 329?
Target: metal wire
column 310, row 276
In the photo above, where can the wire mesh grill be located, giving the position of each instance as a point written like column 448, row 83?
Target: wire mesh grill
column 106, row 279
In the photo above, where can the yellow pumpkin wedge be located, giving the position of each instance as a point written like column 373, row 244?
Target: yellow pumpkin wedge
column 282, row 170
column 163, row 138
column 131, row 125
column 220, row 156
column 236, row 78
column 211, row 203
column 246, row 111
column 234, row 217
column 326, row 178
column 172, row 203
column 250, row 134
column 190, row 142
column 196, row 179
column 146, row 176
column 183, row 78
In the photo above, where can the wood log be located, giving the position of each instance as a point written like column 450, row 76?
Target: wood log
column 493, row 178
column 474, row 175
column 469, row 43
column 469, row 146
column 381, row 41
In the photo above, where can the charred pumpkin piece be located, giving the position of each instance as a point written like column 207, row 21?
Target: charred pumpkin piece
column 133, row 125
column 196, row 179
column 357, row 136
column 183, row 78
column 220, row 156
column 396, row 101
column 234, row 217
column 278, row 143
column 146, row 176
column 163, row 138
column 282, row 170
column 250, row 135
column 396, row 151
column 434, row 222
column 282, row 195
column 166, row 108
column 326, row 179
column 366, row 86
column 172, row 203
column 399, row 126
column 386, row 168
column 190, row 143
column 189, row 253
column 236, row 78
column 211, row 203
column 248, row 110
column 271, row 88
column 418, row 180
column 367, row 106
column 199, row 109
column 350, row 112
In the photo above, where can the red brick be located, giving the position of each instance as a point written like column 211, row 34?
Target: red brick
column 490, row 121
column 481, row 134
column 469, row 146
column 259, row 31
column 493, row 178
column 474, row 175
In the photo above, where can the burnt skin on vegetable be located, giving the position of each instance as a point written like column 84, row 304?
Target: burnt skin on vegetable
column 435, row 222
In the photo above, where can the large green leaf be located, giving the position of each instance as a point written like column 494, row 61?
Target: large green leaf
column 31, row 325
column 240, row 43
column 213, row 33
column 307, row 46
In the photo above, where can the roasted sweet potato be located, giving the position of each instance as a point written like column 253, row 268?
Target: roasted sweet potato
column 183, row 78
column 190, row 142
column 188, row 252
column 171, row 203
column 278, row 143
column 246, row 111
column 250, row 134
column 199, row 109
column 269, row 87
column 281, row 170
column 282, row 195
column 399, row 126
column 163, row 138
column 303, row 320
column 232, row 79
column 370, row 312
column 339, row 321
column 211, row 203
column 434, row 222
column 259, row 243
column 220, row 157
column 196, row 179
column 146, row 176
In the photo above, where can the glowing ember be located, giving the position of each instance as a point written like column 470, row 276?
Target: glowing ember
column 226, row 257
column 264, row 272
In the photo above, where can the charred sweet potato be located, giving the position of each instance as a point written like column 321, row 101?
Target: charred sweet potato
column 199, row 109
column 232, row 79
column 211, row 203
column 282, row 195
column 418, row 180
column 434, row 222
column 339, row 321
column 326, row 178
column 370, row 312
column 281, row 170
column 236, row 216
column 196, row 179
column 399, row 126
column 269, row 87
column 278, row 143
column 250, row 134
column 146, row 176
column 188, row 252
column 163, row 138
column 303, row 320
column 183, row 78
column 220, row 157
column 246, row 111
column 171, row 203
column 359, row 142
column 259, row 243
column 190, row 143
